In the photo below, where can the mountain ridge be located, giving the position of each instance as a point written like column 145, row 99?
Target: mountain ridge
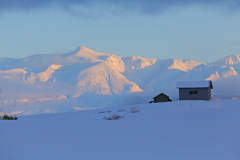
column 84, row 74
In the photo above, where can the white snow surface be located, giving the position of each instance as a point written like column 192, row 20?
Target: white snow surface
column 86, row 79
column 180, row 130
column 193, row 84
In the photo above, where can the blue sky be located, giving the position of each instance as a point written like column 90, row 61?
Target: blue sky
column 202, row 30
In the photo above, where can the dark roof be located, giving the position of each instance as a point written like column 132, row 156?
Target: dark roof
column 160, row 95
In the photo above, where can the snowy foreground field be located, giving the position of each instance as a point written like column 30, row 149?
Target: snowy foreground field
column 180, row 130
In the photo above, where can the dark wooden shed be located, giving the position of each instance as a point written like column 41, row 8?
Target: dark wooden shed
column 161, row 98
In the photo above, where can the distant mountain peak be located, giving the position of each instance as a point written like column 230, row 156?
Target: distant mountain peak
column 229, row 60
column 184, row 65
column 136, row 62
column 87, row 53
column 81, row 50
column 84, row 49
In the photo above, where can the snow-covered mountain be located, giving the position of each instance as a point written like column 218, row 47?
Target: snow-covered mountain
column 85, row 79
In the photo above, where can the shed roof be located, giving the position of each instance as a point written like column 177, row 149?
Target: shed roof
column 161, row 94
column 195, row 84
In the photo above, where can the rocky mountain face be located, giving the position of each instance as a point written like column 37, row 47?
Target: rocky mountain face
column 88, row 79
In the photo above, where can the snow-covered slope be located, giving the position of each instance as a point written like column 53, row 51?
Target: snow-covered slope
column 228, row 60
column 102, row 79
column 90, row 79
column 17, row 74
column 181, row 130
column 45, row 75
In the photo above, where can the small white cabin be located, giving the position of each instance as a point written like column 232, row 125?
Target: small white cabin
column 195, row 90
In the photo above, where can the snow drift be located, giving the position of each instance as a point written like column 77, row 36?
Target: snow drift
column 180, row 130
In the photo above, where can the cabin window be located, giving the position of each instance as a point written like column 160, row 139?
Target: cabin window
column 193, row 92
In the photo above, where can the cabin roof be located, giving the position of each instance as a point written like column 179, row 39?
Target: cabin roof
column 195, row 84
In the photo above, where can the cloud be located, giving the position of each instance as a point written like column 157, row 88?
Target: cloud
column 33, row 4
column 143, row 6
